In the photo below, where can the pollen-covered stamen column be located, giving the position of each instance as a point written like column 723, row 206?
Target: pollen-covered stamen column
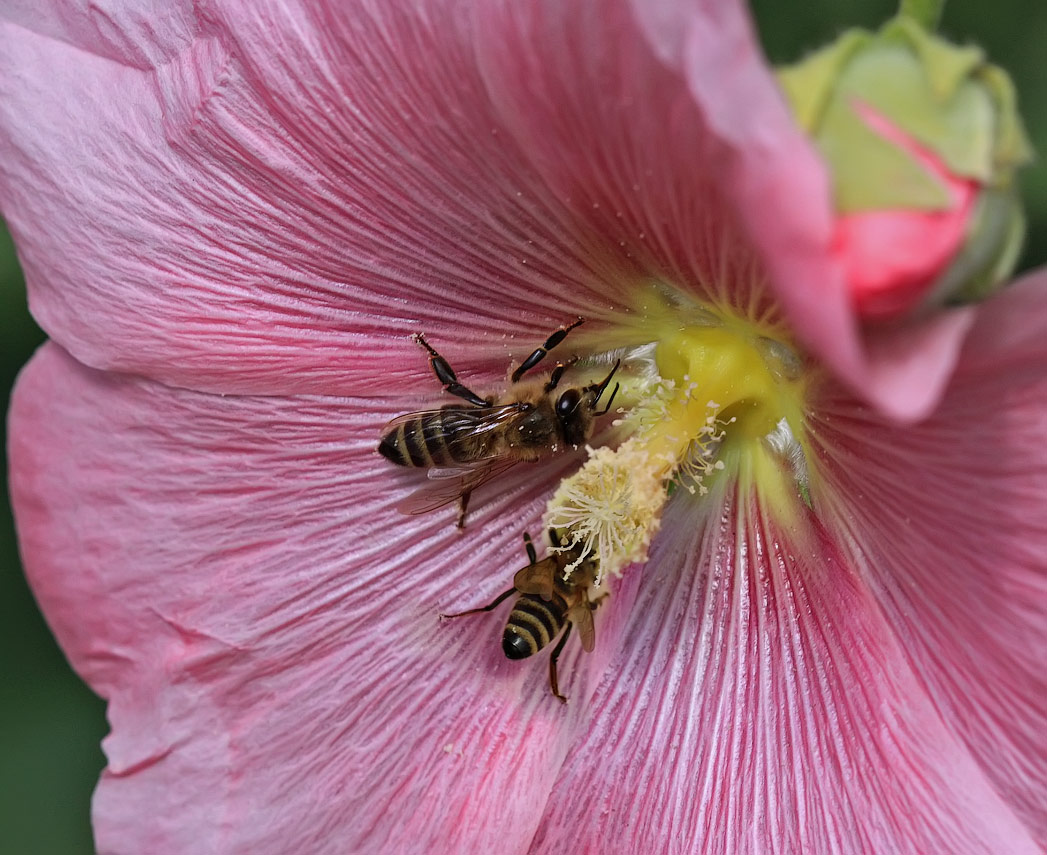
column 728, row 392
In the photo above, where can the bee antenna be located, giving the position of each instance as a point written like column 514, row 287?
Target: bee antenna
column 610, row 401
column 607, row 382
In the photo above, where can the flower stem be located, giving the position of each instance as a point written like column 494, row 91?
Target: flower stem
column 925, row 12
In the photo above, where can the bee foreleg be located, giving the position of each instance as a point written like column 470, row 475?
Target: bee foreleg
column 489, row 607
column 554, row 683
column 445, row 374
column 540, row 353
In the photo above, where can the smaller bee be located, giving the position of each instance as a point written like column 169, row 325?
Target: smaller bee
column 466, row 446
column 547, row 605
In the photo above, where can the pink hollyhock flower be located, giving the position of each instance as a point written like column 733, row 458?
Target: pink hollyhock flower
column 232, row 215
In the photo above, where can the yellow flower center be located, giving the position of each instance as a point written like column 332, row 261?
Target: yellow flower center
column 712, row 395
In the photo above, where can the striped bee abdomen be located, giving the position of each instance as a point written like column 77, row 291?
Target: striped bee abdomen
column 434, row 438
column 533, row 623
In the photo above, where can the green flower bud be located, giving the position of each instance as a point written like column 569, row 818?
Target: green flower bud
column 923, row 140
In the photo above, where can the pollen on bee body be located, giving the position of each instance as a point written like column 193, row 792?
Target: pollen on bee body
column 714, row 399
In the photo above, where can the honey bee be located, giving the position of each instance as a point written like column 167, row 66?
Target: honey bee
column 466, row 446
column 547, row 605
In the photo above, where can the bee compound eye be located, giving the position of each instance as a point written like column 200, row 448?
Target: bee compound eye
column 568, row 402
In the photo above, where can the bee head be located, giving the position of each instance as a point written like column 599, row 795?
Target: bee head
column 575, row 408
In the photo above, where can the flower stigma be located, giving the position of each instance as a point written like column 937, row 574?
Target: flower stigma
column 711, row 394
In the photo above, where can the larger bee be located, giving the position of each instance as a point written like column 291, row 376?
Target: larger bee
column 473, row 444
column 547, row 605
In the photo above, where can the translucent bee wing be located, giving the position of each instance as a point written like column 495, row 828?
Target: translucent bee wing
column 537, row 578
column 484, row 418
column 457, row 473
column 581, row 615
column 447, row 486
column 406, row 418
column 462, row 423
column 496, row 418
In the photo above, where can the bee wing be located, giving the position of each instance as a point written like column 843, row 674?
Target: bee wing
column 537, row 578
column 581, row 615
column 462, row 423
column 446, row 486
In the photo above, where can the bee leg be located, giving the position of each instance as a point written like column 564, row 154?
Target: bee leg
column 445, row 374
column 554, row 683
column 532, row 556
column 540, row 353
column 489, row 607
column 595, row 604
column 463, row 505
column 554, row 378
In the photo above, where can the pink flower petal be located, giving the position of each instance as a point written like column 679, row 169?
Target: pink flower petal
column 946, row 519
column 760, row 704
column 137, row 33
column 291, row 188
column 683, row 152
column 229, row 572
column 615, row 131
column 282, row 186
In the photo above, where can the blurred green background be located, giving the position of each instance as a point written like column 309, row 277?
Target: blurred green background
column 51, row 725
